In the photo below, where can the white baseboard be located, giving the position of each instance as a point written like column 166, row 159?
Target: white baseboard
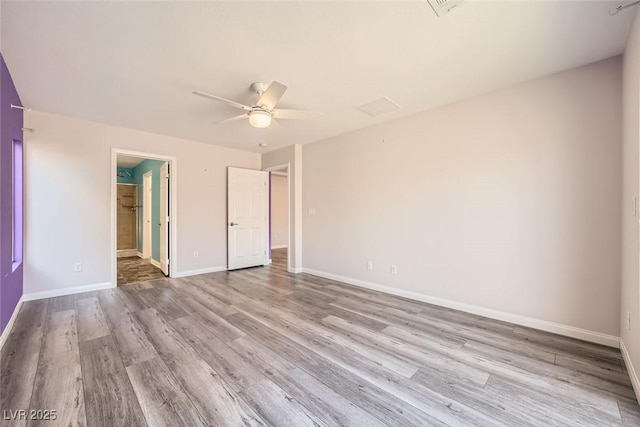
column 140, row 255
column 297, row 270
column 632, row 371
column 154, row 262
column 543, row 325
column 200, row 271
column 49, row 294
column 7, row 329
column 126, row 253
column 67, row 291
column 279, row 247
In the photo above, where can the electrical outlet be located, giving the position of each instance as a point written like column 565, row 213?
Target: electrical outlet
column 628, row 320
column 77, row 267
column 370, row 265
column 195, row 254
column 312, row 211
column 634, row 206
column 394, row 269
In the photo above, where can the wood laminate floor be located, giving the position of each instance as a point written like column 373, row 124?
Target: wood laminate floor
column 264, row 347
column 135, row 269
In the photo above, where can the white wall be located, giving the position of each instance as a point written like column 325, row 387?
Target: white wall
column 509, row 201
column 279, row 211
column 292, row 156
column 68, row 180
column 630, row 284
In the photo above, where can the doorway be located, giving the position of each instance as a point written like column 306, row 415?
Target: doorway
column 143, row 201
column 279, row 224
column 127, row 206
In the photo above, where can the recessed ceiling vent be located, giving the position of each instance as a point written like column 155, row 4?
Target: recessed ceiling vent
column 379, row 106
column 442, row 7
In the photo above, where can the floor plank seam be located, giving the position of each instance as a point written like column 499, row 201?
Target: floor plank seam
column 44, row 326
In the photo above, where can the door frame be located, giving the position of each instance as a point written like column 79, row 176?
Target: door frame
column 289, row 234
column 147, row 200
column 165, row 218
column 173, row 207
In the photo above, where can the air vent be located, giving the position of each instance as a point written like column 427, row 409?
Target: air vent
column 442, row 7
column 379, row 106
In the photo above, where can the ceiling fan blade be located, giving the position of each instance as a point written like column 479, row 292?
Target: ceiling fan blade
column 232, row 119
column 295, row 114
column 272, row 95
column 217, row 98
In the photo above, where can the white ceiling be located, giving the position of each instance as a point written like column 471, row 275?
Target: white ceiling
column 134, row 64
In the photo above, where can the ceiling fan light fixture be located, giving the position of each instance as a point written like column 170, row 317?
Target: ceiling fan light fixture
column 259, row 119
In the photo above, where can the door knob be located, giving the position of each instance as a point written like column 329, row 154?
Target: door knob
column 233, row 223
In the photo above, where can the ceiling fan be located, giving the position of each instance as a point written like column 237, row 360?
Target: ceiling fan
column 262, row 113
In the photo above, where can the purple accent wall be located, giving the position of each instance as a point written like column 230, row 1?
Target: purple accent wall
column 10, row 130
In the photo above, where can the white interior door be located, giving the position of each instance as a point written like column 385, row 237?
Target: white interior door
column 164, row 218
column 247, row 201
column 147, row 200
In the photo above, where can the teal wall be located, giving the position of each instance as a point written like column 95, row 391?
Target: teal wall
column 139, row 171
column 126, row 179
